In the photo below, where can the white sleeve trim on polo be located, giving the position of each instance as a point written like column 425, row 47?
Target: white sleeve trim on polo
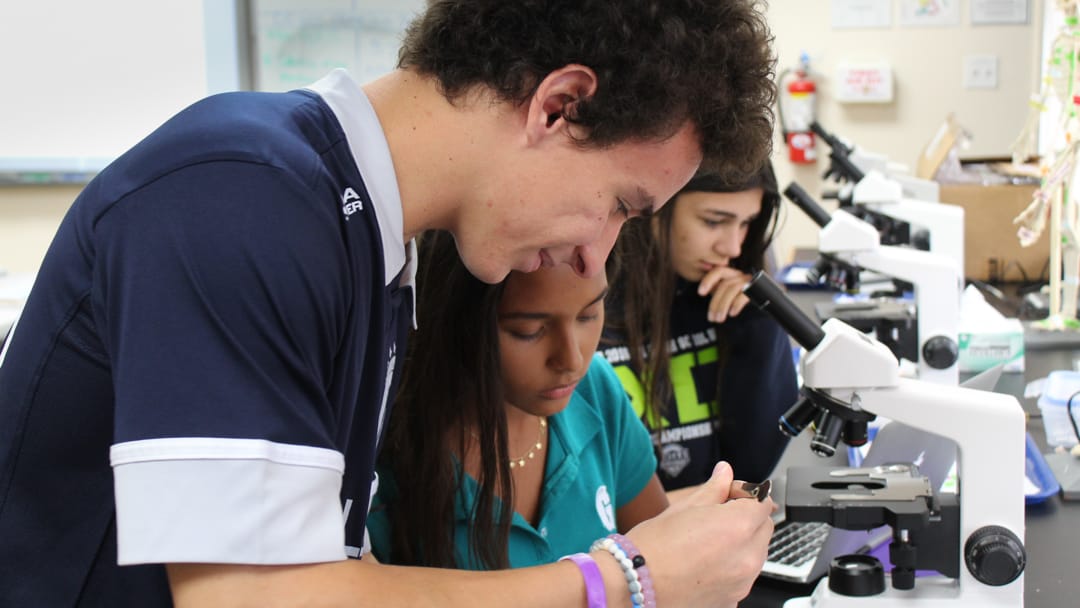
column 238, row 501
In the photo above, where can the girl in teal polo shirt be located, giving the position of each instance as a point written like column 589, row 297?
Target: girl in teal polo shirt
column 512, row 444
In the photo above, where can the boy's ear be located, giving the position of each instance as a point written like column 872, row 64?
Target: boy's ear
column 555, row 97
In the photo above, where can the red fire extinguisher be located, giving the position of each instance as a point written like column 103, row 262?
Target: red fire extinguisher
column 797, row 104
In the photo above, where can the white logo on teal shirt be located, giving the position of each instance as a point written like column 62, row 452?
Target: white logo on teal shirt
column 604, row 508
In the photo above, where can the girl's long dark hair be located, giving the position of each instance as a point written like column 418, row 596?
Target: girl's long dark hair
column 451, row 384
column 645, row 290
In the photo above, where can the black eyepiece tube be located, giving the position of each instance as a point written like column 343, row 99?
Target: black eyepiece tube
column 827, row 137
column 767, row 295
column 840, row 154
column 795, row 193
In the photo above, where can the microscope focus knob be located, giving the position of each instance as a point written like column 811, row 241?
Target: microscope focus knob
column 994, row 555
column 920, row 239
column 856, row 575
column 940, row 352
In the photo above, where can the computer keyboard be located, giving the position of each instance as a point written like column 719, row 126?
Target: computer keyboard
column 794, row 548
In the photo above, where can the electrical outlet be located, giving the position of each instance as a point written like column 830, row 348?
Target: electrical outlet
column 980, row 71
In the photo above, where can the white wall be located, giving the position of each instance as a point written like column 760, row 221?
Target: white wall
column 926, row 64
column 87, row 80
column 80, row 82
column 29, row 217
column 58, row 67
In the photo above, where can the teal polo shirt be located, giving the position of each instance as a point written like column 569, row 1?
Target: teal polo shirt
column 599, row 457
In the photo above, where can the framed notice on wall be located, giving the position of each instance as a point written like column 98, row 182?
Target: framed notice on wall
column 296, row 42
column 995, row 12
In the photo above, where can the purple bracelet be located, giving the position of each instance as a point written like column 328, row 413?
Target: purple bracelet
column 644, row 578
column 595, row 595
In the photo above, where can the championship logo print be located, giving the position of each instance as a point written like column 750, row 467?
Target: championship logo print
column 674, row 458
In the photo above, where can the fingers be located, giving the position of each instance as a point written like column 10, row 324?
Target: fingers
column 715, row 490
column 728, row 300
column 714, row 276
column 739, row 304
column 725, row 284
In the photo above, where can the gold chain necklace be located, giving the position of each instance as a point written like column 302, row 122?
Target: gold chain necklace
column 516, row 463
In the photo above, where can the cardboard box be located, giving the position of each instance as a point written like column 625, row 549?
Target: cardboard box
column 992, row 251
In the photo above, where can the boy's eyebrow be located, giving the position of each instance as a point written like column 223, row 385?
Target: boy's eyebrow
column 724, row 213
column 644, row 202
column 539, row 316
column 719, row 212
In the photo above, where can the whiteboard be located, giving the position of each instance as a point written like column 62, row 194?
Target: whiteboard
column 85, row 81
column 296, row 42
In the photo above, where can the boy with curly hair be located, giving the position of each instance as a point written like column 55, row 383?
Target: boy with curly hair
column 192, row 399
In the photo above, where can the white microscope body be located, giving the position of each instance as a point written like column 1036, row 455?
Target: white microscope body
column 911, row 186
column 943, row 223
column 936, row 278
column 873, row 183
column 989, row 432
column 858, row 375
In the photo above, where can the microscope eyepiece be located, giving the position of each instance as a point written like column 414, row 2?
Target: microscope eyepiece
column 842, row 166
column 802, row 199
column 769, row 297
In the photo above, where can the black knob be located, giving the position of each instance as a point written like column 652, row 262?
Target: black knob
column 940, row 352
column 920, row 239
column 994, row 555
column 856, row 575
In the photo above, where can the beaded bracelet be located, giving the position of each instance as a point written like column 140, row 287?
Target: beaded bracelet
column 637, row 596
column 595, row 595
column 638, row 561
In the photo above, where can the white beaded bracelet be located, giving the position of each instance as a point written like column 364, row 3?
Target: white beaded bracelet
column 637, row 598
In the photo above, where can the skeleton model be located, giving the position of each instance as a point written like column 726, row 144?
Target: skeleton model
column 1056, row 196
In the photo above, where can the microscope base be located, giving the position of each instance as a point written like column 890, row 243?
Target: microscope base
column 928, row 592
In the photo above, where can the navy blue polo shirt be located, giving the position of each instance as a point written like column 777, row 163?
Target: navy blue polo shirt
column 201, row 370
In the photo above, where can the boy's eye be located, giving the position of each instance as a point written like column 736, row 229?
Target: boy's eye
column 622, row 208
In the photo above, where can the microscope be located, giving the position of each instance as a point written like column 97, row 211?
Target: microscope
column 973, row 540
column 847, row 246
column 902, row 208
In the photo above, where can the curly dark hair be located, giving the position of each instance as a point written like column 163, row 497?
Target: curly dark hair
column 659, row 64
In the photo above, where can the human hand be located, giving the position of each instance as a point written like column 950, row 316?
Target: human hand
column 725, row 284
column 708, row 549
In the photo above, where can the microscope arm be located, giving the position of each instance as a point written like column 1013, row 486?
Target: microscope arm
column 937, row 299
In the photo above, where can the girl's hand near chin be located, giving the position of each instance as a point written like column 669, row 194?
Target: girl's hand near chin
column 725, row 284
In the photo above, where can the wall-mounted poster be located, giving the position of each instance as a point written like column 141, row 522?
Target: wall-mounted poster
column 929, row 13
column 860, row 14
column 996, row 12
